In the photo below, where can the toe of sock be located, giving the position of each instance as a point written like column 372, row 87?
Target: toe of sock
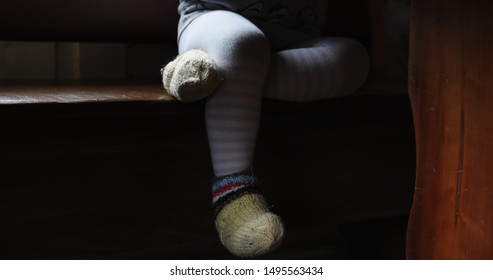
column 191, row 76
column 257, row 237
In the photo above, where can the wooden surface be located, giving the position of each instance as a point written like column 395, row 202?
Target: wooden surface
column 451, row 88
column 19, row 92
column 81, row 181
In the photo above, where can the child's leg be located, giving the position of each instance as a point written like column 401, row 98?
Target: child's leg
column 241, row 53
column 316, row 69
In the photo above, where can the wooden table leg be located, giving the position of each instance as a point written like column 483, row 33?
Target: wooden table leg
column 451, row 90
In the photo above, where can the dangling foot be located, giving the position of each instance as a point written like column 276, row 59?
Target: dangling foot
column 191, row 76
column 245, row 225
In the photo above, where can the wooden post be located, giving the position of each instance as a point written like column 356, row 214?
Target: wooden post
column 451, row 90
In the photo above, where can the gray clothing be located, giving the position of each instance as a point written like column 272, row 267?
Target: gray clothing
column 304, row 16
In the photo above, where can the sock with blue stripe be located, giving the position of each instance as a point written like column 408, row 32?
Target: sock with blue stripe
column 245, row 225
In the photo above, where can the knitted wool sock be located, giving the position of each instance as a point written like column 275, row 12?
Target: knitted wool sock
column 245, row 225
column 191, row 76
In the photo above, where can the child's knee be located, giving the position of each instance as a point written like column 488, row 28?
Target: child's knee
column 228, row 38
column 360, row 62
column 359, row 53
column 244, row 45
column 352, row 62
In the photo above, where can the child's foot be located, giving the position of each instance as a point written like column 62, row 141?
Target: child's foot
column 245, row 225
column 191, row 76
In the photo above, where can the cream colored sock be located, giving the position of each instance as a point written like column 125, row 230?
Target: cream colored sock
column 247, row 228
column 191, row 76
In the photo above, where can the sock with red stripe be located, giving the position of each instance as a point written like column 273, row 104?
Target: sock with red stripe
column 245, row 225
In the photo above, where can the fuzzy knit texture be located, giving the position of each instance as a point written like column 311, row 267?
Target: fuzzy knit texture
column 191, row 76
column 245, row 225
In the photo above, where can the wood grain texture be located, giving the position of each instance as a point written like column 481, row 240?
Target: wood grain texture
column 451, row 88
column 18, row 92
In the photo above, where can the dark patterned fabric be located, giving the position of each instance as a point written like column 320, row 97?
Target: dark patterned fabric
column 305, row 16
